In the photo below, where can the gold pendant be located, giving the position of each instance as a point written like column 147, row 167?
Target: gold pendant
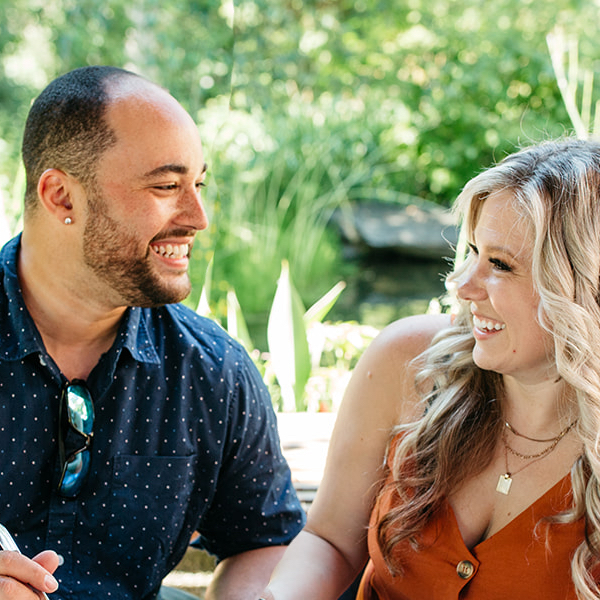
column 504, row 483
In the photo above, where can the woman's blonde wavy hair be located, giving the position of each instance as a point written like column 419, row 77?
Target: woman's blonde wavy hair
column 556, row 189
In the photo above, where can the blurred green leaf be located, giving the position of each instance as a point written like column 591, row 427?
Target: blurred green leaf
column 288, row 346
column 318, row 311
column 236, row 324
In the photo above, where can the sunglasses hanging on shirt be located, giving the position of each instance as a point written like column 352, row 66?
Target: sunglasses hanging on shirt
column 76, row 424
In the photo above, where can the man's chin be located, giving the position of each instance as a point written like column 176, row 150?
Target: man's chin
column 157, row 295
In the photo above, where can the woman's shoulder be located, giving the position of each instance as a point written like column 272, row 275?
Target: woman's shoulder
column 406, row 338
column 386, row 372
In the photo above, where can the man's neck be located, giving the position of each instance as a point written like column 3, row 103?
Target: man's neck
column 76, row 330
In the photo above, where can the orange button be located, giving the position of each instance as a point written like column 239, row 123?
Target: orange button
column 465, row 569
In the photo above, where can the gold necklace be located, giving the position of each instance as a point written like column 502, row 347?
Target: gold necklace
column 505, row 479
column 544, row 441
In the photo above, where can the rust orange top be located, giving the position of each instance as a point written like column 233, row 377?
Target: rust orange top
column 513, row 564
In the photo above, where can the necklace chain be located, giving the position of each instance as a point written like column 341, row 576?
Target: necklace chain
column 543, row 441
column 541, row 454
column 505, row 480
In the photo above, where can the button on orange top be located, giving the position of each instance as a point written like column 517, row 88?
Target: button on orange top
column 465, row 569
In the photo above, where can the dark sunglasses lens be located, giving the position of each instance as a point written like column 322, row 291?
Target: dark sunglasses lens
column 74, row 473
column 80, row 418
column 80, row 408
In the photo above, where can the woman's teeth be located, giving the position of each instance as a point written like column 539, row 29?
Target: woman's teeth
column 488, row 325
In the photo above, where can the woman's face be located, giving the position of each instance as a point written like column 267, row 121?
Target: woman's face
column 498, row 284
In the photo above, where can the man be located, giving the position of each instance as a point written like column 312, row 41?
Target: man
column 127, row 422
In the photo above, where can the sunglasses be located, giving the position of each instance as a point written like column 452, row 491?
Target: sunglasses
column 76, row 418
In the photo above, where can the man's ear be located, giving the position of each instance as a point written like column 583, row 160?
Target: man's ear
column 55, row 189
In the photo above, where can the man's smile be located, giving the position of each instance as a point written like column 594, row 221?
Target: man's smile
column 171, row 250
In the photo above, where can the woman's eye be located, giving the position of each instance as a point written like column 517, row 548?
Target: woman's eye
column 500, row 265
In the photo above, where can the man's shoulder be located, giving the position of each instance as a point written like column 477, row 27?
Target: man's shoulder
column 183, row 324
column 8, row 256
column 10, row 292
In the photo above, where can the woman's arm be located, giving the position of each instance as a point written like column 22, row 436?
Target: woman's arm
column 327, row 555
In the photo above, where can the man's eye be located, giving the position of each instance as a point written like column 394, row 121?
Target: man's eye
column 167, row 186
column 201, row 184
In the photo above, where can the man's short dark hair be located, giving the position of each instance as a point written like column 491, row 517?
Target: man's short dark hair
column 66, row 127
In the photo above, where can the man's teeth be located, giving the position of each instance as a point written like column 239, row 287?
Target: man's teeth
column 172, row 251
column 480, row 324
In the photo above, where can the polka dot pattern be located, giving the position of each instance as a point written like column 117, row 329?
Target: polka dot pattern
column 185, row 440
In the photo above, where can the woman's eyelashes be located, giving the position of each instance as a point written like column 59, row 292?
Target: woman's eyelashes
column 498, row 263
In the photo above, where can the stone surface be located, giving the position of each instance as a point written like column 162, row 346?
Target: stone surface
column 426, row 231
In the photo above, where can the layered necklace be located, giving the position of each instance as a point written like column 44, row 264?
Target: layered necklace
column 505, row 480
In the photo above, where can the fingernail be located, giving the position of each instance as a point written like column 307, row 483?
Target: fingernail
column 61, row 560
column 50, row 583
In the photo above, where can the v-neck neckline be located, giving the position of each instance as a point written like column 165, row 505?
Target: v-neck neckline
column 547, row 496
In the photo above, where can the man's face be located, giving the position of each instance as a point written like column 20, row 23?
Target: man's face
column 145, row 207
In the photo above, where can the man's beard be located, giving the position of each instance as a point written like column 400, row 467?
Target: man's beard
column 113, row 253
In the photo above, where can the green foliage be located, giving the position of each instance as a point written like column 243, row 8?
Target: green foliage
column 576, row 85
column 299, row 344
column 236, row 323
column 304, row 105
column 444, row 87
column 278, row 207
column 288, row 345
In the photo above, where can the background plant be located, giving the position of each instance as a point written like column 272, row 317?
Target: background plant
column 309, row 361
column 306, row 105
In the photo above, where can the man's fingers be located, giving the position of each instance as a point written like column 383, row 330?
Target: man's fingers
column 17, row 573
column 49, row 560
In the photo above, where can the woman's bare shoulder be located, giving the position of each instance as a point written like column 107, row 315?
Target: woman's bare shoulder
column 407, row 338
column 383, row 381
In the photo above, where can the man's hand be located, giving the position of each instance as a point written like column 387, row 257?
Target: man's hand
column 21, row 576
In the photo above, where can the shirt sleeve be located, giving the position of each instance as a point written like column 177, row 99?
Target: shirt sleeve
column 255, row 504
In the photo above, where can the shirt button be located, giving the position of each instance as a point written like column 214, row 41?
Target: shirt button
column 465, row 569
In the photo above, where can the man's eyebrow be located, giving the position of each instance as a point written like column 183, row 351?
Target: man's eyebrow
column 174, row 168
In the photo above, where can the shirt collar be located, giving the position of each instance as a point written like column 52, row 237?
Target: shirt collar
column 134, row 335
column 18, row 333
column 19, row 336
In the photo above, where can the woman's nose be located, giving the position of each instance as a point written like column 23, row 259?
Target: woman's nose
column 470, row 285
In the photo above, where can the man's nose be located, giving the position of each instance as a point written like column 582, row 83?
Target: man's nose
column 194, row 210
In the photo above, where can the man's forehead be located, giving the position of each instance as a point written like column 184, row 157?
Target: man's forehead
column 153, row 132
column 142, row 113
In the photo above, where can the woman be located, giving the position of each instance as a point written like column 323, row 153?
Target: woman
column 490, row 487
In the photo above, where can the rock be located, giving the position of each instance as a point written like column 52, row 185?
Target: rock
column 425, row 231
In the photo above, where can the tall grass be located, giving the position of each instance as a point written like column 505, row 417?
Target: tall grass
column 280, row 180
column 283, row 215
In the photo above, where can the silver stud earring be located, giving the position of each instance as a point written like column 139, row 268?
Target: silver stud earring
column 68, row 220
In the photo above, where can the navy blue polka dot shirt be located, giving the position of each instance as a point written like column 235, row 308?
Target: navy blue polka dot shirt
column 185, row 439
